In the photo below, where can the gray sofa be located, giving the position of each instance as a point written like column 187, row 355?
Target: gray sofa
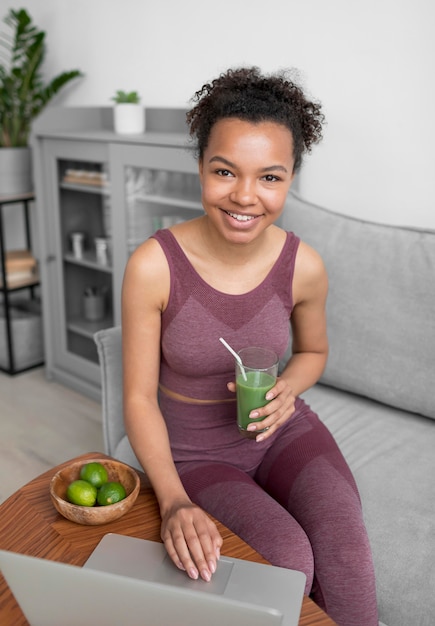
column 376, row 395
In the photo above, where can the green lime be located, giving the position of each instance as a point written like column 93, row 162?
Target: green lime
column 109, row 493
column 81, row 492
column 94, row 473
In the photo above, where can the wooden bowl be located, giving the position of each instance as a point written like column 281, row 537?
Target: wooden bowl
column 94, row 515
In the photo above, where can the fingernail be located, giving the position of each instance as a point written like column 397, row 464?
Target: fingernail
column 269, row 395
column 193, row 573
column 254, row 414
column 259, row 438
column 218, row 553
column 212, row 566
column 205, row 574
column 251, row 427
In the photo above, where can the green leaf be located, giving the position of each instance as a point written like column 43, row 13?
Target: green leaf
column 126, row 97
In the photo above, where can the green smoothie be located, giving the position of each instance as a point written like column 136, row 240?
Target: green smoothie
column 251, row 395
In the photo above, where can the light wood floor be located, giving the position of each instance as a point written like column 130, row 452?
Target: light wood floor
column 42, row 424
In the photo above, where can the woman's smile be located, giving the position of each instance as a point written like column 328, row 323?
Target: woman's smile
column 242, row 218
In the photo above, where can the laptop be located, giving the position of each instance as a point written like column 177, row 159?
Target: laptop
column 132, row 581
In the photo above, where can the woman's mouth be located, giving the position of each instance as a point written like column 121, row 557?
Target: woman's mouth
column 241, row 218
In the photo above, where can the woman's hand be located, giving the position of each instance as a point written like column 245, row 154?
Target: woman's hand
column 278, row 410
column 191, row 539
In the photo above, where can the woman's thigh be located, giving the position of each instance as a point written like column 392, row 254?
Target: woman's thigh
column 301, row 447
column 307, row 474
column 236, row 500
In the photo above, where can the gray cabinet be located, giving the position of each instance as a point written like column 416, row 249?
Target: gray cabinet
column 99, row 196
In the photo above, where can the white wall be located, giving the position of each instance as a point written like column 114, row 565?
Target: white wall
column 371, row 64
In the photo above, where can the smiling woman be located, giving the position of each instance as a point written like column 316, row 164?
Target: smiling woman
column 233, row 273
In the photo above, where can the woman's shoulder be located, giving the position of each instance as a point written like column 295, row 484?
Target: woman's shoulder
column 148, row 263
column 310, row 272
column 149, row 251
column 307, row 255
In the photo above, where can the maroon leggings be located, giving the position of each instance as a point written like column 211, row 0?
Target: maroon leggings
column 300, row 509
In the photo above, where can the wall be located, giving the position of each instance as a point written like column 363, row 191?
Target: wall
column 371, row 64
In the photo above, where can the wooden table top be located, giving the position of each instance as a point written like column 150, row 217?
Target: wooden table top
column 29, row 524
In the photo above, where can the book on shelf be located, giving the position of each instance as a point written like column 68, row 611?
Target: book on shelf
column 18, row 260
column 85, row 177
column 21, row 266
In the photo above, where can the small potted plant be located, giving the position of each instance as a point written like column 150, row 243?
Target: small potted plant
column 23, row 95
column 129, row 114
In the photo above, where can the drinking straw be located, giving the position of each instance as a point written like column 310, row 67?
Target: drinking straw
column 236, row 356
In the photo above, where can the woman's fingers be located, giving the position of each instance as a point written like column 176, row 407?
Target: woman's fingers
column 275, row 413
column 279, row 409
column 192, row 541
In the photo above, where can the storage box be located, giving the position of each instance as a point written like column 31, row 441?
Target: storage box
column 26, row 330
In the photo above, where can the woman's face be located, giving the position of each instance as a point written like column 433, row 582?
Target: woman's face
column 246, row 171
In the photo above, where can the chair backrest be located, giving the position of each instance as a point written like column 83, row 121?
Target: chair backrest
column 109, row 345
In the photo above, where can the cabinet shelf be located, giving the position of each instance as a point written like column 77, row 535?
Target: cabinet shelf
column 83, row 327
column 101, row 190
column 168, row 200
column 89, row 261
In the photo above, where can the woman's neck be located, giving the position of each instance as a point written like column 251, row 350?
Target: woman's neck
column 227, row 266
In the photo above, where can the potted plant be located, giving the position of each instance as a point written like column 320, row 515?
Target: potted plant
column 23, row 95
column 128, row 114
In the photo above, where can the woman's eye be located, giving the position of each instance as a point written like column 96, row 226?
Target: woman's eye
column 223, row 172
column 270, row 178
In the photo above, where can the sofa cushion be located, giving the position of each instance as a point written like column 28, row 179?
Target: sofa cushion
column 390, row 453
column 381, row 304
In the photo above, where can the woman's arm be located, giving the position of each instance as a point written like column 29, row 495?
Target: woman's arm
column 190, row 537
column 309, row 347
column 308, row 321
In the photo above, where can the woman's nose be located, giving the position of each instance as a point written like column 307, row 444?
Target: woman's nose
column 244, row 192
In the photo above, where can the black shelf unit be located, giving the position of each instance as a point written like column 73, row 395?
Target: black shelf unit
column 28, row 284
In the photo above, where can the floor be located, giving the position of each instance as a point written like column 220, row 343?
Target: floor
column 42, row 424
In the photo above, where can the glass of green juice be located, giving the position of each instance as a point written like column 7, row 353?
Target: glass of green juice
column 254, row 378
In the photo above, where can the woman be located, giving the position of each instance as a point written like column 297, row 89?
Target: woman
column 233, row 273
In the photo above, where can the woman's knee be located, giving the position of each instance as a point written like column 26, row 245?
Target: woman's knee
column 287, row 545
column 266, row 526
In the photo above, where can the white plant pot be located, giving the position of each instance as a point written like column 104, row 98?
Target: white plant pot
column 15, row 171
column 129, row 119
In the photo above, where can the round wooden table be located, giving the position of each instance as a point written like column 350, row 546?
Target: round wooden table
column 29, row 524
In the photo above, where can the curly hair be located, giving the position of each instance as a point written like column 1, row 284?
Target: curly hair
column 246, row 94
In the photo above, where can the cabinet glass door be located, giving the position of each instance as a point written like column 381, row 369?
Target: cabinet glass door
column 158, row 198
column 86, row 238
column 153, row 187
column 79, row 294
